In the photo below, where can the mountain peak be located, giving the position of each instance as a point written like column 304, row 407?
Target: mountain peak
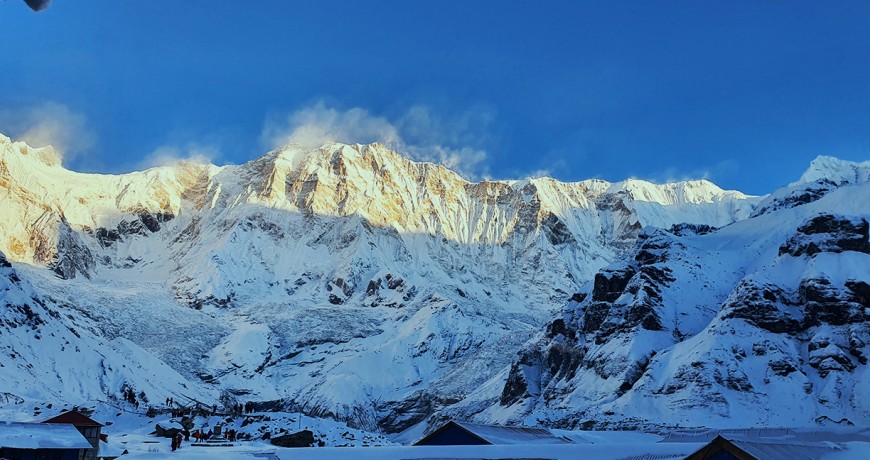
column 687, row 191
column 46, row 155
column 835, row 169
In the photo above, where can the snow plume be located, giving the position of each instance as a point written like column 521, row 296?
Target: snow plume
column 317, row 125
column 453, row 142
column 49, row 123
column 719, row 172
column 170, row 155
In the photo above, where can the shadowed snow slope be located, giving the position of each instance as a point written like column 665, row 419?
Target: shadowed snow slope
column 760, row 323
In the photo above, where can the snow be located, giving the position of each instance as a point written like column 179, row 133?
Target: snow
column 111, row 448
column 702, row 351
column 169, row 425
column 41, row 436
column 836, row 170
column 661, row 451
column 555, row 452
column 351, row 283
column 782, row 451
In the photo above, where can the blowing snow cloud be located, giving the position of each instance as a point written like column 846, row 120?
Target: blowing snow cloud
column 420, row 133
column 49, row 123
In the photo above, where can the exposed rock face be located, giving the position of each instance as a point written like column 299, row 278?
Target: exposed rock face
column 625, row 298
column 689, row 321
column 72, row 256
column 624, row 301
column 796, row 197
column 828, row 233
column 405, row 414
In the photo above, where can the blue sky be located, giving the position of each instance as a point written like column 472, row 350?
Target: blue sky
column 743, row 93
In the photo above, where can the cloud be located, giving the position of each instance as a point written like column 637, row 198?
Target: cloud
column 318, row 125
column 424, row 135
column 540, row 173
column 171, row 155
column 722, row 170
column 49, row 123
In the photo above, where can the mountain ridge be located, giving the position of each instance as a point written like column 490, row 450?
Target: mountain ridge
column 298, row 277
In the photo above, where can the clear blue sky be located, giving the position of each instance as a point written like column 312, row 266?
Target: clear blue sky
column 744, row 93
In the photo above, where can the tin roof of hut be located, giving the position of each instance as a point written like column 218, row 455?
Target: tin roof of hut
column 73, row 417
column 766, row 449
column 497, row 434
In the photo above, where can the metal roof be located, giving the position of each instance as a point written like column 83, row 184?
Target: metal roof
column 73, row 418
column 17, row 435
column 769, row 448
column 786, row 451
column 783, row 435
column 497, row 434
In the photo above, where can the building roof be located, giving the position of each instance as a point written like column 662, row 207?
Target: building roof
column 768, row 435
column 496, row 434
column 767, row 449
column 786, row 451
column 17, row 435
column 707, row 435
column 73, row 417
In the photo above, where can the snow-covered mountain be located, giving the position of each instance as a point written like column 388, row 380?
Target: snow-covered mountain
column 352, row 283
column 765, row 322
column 52, row 351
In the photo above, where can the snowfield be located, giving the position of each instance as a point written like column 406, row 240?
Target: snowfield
column 373, row 293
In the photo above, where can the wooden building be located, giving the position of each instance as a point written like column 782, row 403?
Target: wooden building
column 88, row 427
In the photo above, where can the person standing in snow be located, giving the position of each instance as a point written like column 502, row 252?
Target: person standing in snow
column 178, row 438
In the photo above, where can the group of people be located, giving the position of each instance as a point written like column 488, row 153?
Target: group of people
column 246, row 408
column 200, row 435
column 176, row 441
column 130, row 397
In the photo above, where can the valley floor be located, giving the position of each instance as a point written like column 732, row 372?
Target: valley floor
column 658, row 451
column 554, row 452
column 134, row 432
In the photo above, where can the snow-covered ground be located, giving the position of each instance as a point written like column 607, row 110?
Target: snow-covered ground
column 554, row 452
